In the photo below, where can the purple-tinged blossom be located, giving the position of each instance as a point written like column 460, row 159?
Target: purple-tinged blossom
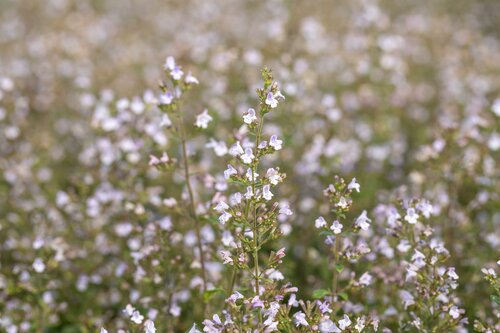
column 248, row 156
column 271, row 100
column 203, row 119
column 363, row 221
column 230, row 171
column 275, row 142
column 166, row 98
column 249, row 117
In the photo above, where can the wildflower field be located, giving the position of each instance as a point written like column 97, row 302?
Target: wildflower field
column 249, row 166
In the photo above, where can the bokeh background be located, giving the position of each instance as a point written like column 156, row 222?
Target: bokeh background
column 403, row 95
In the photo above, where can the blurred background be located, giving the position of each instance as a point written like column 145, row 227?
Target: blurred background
column 403, row 95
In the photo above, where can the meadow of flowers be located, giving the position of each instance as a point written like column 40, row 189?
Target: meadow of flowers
column 249, row 166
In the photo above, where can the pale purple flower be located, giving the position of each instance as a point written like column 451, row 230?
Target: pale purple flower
column 328, row 326
column 169, row 63
column 149, row 326
column 165, row 121
column 226, row 257
column 190, row 79
column 203, row 119
column 345, row 322
column 262, row 145
column 320, row 222
column 273, row 176
column 219, row 147
column 248, row 156
column 266, row 192
column 336, row 227
column 221, row 206
column 365, row 279
column 271, row 100
column 353, row 185
column 411, row 216
column 166, row 98
column 300, row 319
column 38, row 265
column 236, row 149
column 224, row 217
column 275, row 142
column 249, row 193
column 230, row 171
column 176, row 73
column 136, row 317
column 285, row 210
column 363, row 221
column 249, row 117
column 251, row 175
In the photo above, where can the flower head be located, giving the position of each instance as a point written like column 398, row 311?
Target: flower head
column 203, row 119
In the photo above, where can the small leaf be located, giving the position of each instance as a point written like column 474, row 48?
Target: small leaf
column 496, row 299
column 325, row 233
column 339, row 268
column 207, row 295
column 344, row 296
column 320, row 293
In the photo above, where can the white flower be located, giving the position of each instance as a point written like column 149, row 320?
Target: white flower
column 129, row 310
column 249, row 174
column 235, row 199
column 249, row 117
column 137, row 317
column 360, row 324
column 407, row 298
column 275, row 143
column 365, row 279
column 149, row 326
column 342, row 203
column 353, row 185
column 496, row 107
column 271, row 101
column 221, row 206
column 249, row 193
column 273, row 176
column 219, row 147
column 411, row 216
column 38, row 265
column 262, row 145
column 454, row 312
column 226, row 257
column 103, row 330
column 345, row 322
column 230, row 171
column 194, row 329
column 320, row 222
column 363, row 221
column 203, row 119
column 285, row 210
column 166, row 98
column 224, row 217
column 176, row 73
column 266, row 192
column 190, row 79
column 328, row 326
column 248, row 156
column 300, row 319
column 336, row 227
column 425, row 208
column 169, row 63
column 234, row 297
column 165, row 121
column 236, row 149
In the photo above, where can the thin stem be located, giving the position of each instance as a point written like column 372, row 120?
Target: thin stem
column 255, row 222
column 185, row 159
column 336, row 249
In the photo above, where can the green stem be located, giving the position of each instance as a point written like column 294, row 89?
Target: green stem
column 182, row 132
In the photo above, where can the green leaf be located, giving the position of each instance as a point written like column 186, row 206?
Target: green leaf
column 207, row 295
column 339, row 268
column 344, row 296
column 320, row 293
column 325, row 233
column 496, row 299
